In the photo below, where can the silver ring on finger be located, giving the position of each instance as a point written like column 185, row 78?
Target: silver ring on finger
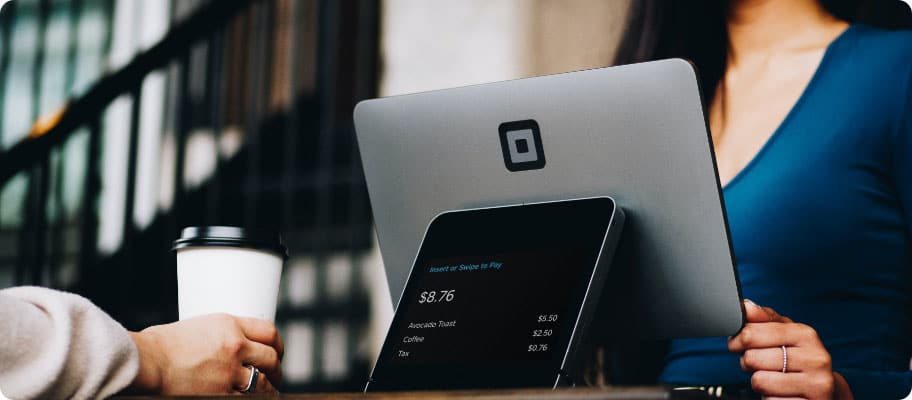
column 785, row 360
column 254, row 377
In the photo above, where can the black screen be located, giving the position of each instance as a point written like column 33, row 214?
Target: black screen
column 494, row 289
column 475, row 308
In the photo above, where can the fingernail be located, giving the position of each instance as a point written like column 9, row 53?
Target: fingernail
column 749, row 301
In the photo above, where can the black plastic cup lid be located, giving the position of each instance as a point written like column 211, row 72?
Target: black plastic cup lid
column 231, row 236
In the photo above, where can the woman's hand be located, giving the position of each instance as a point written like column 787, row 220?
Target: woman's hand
column 809, row 373
column 207, row 355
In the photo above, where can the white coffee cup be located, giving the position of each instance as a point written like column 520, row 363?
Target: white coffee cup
column 222, row 269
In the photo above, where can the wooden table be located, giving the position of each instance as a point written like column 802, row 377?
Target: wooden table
column 627, row 393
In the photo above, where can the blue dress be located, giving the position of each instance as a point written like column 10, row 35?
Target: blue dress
column 821, row 217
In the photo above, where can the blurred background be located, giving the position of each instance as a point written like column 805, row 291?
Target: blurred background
column 123, row 121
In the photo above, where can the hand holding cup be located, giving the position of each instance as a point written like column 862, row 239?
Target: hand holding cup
column 208, row 355
column 225, row 341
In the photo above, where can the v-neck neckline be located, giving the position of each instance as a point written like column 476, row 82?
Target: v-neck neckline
column 827, row 54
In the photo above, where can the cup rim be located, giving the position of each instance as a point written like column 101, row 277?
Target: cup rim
column 231, row 236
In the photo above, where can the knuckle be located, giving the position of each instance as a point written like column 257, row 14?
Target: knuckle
column 232, row 345
column 807, row 332
column 759, row 381
column 225, row 320
column 750, row 358
column 273, row 333
column 824, row 360
column 273, row 359
column 747, row 335
column 223, row 317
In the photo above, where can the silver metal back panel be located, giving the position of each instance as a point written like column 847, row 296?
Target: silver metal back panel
column 636, row 133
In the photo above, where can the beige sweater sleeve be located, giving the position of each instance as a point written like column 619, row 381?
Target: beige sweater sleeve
column 57, row 345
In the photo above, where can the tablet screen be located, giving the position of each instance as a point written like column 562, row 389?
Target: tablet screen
column 498, row 286
column 504, row 306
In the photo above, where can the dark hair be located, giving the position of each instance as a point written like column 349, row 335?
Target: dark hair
column 696, row 30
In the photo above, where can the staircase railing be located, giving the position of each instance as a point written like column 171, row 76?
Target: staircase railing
column 317, row 199
column 32, row 154
column 80, row 112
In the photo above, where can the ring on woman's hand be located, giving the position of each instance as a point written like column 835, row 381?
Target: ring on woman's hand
column 254, row 377
column 785, row 360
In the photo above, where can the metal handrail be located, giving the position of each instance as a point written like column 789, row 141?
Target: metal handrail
column 52, row 130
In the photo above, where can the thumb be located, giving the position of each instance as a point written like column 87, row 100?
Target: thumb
column 756, row 313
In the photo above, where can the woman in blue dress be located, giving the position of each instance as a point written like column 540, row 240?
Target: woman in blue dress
column 810, row 108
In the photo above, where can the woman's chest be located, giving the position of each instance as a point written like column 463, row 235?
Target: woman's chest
column 820, row 197
column 752, row 103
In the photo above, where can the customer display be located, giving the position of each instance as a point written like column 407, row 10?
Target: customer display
column 498, row 291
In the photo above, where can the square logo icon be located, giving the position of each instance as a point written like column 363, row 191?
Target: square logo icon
column 522, row 145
